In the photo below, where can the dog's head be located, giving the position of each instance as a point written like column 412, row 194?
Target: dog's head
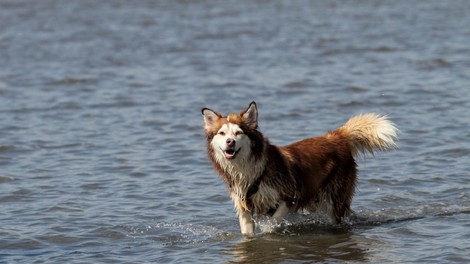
column 231, row 136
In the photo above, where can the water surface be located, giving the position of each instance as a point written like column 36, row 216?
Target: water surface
column 102, row 151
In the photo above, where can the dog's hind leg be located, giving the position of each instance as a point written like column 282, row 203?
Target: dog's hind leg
column 281, row 211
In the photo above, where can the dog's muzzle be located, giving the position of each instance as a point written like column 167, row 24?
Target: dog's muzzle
column 230, row 151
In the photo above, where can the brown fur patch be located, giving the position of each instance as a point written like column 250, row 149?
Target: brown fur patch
column 235, row 119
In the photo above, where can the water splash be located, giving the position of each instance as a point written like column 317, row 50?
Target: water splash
column 295, row 223
column 178, row 233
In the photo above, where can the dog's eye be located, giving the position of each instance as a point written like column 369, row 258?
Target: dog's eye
column 222, row 133
column 238, row 133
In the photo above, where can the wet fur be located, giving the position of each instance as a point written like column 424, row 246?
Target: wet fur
column 314, row 173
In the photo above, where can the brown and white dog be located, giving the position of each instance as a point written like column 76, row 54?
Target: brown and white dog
column 314, row 173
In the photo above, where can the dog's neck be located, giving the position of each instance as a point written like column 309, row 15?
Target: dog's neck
column 242, row 173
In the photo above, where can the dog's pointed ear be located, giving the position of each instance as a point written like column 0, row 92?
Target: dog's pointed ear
column 210, row 118
column 250, row 115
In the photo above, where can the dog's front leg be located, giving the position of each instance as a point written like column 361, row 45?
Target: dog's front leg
column 247, row 225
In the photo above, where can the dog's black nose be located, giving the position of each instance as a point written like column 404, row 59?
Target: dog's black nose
column 230, row 142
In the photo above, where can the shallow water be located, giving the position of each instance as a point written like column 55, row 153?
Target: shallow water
column 102, row 151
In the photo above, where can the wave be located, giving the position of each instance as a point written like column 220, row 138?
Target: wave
column 363, row 218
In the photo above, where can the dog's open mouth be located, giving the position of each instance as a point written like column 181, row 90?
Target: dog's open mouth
column 230, row 153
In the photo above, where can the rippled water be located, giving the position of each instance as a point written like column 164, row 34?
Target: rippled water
column 102, row 150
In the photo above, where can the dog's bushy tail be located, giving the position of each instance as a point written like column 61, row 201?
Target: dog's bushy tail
column 369, row 132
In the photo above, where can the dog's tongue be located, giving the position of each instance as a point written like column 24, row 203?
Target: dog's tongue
column 229, row 153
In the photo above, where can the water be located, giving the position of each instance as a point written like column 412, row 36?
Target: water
column 102, row 151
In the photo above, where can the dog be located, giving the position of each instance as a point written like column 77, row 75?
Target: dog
column 311, row 174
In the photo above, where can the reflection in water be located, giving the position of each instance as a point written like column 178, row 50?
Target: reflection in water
column 305, row 243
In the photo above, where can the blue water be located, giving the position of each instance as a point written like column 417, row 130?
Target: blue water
column 102, row 150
